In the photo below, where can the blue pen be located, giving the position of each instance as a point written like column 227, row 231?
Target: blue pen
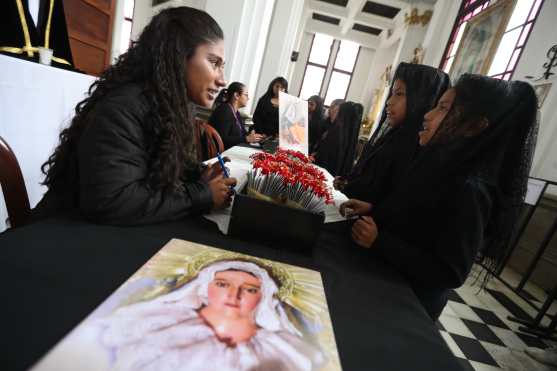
column 224, row 170
column 221, row 162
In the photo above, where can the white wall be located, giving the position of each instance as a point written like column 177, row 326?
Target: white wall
column 287, row 21
column 359, row 90
column 543, row 36
column 439, row 31
column 295, row 81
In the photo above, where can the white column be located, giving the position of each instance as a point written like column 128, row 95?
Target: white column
column 284, row 28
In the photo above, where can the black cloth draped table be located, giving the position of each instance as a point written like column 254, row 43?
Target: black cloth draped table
column 57, row 271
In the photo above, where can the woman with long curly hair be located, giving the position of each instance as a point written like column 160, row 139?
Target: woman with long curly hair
column 129, row 155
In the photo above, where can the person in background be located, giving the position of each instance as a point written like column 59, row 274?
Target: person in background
column 390, row 150
column 129, row 156
column 460, row 200
column 316, row 115
column 226, row 118
column 332, row 113
column 337, row 149
column 265, row 117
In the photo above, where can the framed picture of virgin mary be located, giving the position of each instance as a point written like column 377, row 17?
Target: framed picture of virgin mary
column 196, row 308
column 481, row 38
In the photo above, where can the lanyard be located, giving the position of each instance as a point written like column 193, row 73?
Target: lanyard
column 238, row 121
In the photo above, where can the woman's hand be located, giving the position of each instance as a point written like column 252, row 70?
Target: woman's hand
column 212, row 171
column 339, row 183
column 355, row 207
column 221, row 191
column 253, row 137
column 364, row 231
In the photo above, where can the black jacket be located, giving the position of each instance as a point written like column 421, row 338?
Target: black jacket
column 433, row 241
column 224, row 120
column 381, row 166
column 113, row 162
column 265, row 117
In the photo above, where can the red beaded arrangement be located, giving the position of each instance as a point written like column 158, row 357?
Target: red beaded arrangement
column 288, row 177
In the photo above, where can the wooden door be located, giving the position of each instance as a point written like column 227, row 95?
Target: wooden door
column 90, row 32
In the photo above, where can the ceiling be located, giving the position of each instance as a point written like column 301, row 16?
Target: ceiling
column 360, row 20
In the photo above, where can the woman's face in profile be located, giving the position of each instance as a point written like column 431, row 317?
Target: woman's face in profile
column 243, row 98
column 434, row 118
column 234, row 294
column 311, row 106
column 205, row 73
column 333, row 112
column 396, row 104
column 276, row 88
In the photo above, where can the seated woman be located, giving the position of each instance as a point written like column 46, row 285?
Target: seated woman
column 265, row 117
column 129, row 154
column 227, row 120
column 387, row 155
column 461, row 198
column 315, row 118
column 337, row 149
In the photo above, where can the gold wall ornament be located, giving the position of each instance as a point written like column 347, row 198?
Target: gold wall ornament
column 414, row 18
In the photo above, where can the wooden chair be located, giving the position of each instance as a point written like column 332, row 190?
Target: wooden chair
column 210, row 140
column 13, row 187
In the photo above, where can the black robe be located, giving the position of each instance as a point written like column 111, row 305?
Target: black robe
column 337, row 148
column 12, row 36
column 229, row 125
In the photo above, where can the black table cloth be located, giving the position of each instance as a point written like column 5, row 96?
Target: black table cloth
column 56, row 272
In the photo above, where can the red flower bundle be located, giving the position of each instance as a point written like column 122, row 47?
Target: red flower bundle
column 289, row 177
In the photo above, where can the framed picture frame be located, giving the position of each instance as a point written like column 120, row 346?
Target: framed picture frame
column 481, row 38
column 541, row 92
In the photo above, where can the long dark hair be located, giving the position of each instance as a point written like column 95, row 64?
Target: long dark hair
column 269, row 93
column 157, row 61
column 492, row 127
column 225, row 95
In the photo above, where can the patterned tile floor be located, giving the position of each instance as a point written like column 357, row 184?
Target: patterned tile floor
column 476, row 327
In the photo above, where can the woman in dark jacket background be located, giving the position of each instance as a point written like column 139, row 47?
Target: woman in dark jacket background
column 226, row 118
column 129, row 155
column 265, row 117
column 337, row 149
column 316, row 115
column 461, row 198
column 387, row 155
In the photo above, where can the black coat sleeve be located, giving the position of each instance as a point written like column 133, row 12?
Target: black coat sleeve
column 113, row 170
column 259, row 118
column 448, row 262
column 223, row 120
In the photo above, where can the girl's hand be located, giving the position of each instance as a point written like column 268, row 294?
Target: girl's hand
column 355, row 207
column 364, row 231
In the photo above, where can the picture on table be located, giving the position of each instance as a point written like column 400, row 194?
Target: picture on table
column 194, row 307
column 293, row 123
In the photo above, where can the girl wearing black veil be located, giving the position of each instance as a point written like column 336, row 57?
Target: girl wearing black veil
column 337, row 149
column 266, row 116
column 461, row 198
column 316, row 117
column 415, row 90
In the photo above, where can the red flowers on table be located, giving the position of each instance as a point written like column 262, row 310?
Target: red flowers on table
column 288, row 177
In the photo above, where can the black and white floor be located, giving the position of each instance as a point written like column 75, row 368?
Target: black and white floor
column 476, row 328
